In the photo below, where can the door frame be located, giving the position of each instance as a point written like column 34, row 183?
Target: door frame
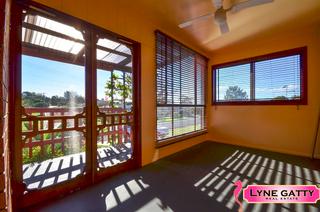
column 20, row 200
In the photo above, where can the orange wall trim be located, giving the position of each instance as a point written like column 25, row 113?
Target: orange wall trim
column 266, row 148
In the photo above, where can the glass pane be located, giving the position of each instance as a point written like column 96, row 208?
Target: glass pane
column 233, row 83
column 278, row 79
column 161, row 71
column 51, row 158
column 180, row 88
column 187, row 77
column 114, row 100
column 175, row 73
column 201, row 69
column 200, row 118
column 184, row 120
column 53, row 93
column 164, row 122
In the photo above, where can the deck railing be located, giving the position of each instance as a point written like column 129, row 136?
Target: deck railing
column 54, row 130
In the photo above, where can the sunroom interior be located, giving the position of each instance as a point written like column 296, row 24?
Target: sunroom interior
column 157, row 105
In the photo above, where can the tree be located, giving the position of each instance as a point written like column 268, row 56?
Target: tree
column 58, row 101
column 235, row 93
column 280, row 98
column 118, row 87
column 32, row 99
column 161, row 97
column 54, row 100
column 80, row 100
column 186, row 99
column 73, row 99
column 186, row 112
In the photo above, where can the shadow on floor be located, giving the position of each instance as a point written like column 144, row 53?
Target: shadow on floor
column 197, row 179
column 60, row 169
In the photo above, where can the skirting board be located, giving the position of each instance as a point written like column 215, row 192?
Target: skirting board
column 268, row 149
column 317, row 156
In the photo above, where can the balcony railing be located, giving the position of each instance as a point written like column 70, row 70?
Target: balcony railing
column 50, row 131
column 54, row 142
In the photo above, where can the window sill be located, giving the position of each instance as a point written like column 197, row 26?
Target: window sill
column 166, row 142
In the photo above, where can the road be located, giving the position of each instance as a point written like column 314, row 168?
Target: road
column 185, row 122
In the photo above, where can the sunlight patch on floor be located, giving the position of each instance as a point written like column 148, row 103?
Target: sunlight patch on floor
column 254, row 169
column 124, row 192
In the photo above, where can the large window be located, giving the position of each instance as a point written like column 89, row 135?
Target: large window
column 278, row 78
column 180, row 90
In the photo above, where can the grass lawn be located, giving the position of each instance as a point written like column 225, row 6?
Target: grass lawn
column 169, row 119
column 184, row 130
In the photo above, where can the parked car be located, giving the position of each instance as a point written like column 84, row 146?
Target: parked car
column 162, row 132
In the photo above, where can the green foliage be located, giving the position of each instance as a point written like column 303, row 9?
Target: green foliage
column 58, row 101
column 32, row 99
column 116, row 86
column 71, row 96
column 295, row 97
column 280, row 98
column 235, row 93
column 38, row 156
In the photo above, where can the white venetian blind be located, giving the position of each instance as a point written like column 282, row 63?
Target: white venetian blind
column 276, row 78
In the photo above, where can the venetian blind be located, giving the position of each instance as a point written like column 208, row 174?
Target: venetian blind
column 277, row 78
column 180, row 88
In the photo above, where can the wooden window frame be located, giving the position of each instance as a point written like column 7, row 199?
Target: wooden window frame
column 174, row 139
column 302, row 51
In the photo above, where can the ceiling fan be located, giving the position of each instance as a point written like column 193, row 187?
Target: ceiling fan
column 220, row 15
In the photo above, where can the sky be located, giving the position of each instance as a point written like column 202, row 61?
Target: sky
column 54, row 78
column 276, row 77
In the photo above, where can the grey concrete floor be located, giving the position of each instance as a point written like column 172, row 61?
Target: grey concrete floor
column 197, row 179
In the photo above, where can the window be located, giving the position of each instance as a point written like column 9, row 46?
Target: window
column 180, row 90
column 278, row 78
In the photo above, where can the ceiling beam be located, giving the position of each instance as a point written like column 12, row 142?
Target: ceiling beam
column 51, row 32
column 55, row 55
column 66, row 37
column 125, row 61
column 114, row 51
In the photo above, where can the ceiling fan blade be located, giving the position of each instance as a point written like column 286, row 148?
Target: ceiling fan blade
column 191, row 21
column 224, row 28
column 249, row 3
column 217, row 4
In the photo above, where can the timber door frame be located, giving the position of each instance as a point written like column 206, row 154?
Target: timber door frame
column 20, row 200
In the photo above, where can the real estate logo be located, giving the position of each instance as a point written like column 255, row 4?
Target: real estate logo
column 277, row 193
